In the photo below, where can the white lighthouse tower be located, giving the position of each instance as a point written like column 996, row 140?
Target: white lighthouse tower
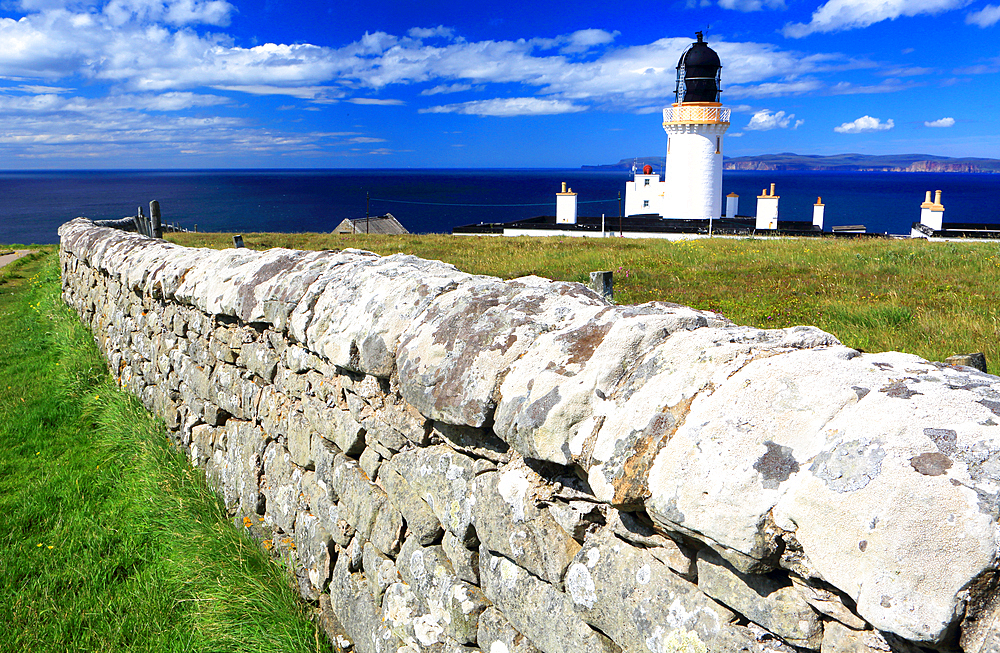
column 695, row 126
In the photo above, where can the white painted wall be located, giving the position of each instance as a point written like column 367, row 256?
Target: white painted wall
column 819, row 210
column 694, row 171
column 566, row 208
column 645, row 194
column 767, row 212
column 732, row 205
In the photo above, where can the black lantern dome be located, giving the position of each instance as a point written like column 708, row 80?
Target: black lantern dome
column 698, row 73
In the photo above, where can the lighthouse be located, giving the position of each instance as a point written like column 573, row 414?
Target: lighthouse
column 695, row 126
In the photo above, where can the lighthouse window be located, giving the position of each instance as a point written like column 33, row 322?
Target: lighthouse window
column 718, row 145
column 645, row 203
column 647, row 183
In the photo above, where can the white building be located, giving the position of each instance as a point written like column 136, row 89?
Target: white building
column 695, row 126
column 645, row 194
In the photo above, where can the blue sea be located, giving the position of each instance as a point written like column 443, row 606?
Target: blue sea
column 34, row 204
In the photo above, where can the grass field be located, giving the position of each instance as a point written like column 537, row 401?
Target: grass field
column 109, row 540
column 929, row 299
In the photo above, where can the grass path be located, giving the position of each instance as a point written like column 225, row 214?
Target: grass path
column 109, row 541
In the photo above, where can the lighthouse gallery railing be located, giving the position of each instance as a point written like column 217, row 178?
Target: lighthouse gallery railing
column 696, row 114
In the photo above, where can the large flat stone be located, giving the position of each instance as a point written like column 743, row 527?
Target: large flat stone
column 509, row 522
column 548, row 619
column 637, row 601
column 452, row 362
column 443, row 478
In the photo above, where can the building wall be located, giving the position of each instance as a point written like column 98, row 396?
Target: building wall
column 694, row 171
column 449, row 462
column 645, row 195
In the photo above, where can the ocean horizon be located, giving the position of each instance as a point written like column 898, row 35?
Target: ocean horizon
column 35, row 203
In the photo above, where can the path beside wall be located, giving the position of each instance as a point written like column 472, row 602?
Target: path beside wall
column 451, row 462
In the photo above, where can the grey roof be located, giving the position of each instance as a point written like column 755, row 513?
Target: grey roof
column 382, row 224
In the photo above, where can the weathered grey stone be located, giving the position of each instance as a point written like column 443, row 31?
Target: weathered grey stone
column 464, row 561
column 325, row 455
column 273, row 410
column 443, row 478
column 365, row 506
column 357, row 322
column 509, row 522
column 827, row 602
column 259, row 358
column 280, row 484
column 838, row 638
column 554, row 391
column 290, row 383
column 451, row 364
column 314, row 546
column 478, row 443
column 240, row 467
column 298, row 359
column 387, row 533
column 637, row 601
column 355, row 554
column 335, row 631
column 578, row 518
column 380, row 571
column 981, row 624
column 370, row 460
column 300, row 440
column 452, row 602
column 352, row 603
column 548, row 619
column 761, row 599
column 836, row 442
column 496, row 634
column 419, row 517
column 976, row 361
column 220, row 351
column 234, row 394
column 202, row 438
column 629, row 527
column 329, row 516
column 335, row 425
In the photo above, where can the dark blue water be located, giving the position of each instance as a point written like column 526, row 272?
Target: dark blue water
column 34, row 204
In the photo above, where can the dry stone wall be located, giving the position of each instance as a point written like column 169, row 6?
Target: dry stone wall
column 451, row 462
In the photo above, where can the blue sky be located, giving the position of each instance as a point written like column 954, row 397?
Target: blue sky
column 293, row 83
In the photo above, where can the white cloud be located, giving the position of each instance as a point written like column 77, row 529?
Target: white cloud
column 584, row 39
column 174, row 12
column 764, row 120
column 837, row 15
column 576, row 42
column 446, row 88
column 752, row 5
column 431, row 32
column 942, row 122
column 864, row 125
column 985, row 17
column 506, row 107
column 376, row 102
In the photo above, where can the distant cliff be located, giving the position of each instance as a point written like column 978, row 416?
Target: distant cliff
column 834, row 163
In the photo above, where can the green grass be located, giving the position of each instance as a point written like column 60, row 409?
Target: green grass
column 109, row 540
column 929, row 299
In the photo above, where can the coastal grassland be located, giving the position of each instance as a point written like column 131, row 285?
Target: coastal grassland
column 109, row 540
column 929, row 299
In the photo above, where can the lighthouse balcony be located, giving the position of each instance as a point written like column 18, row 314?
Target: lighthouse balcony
column 696, row 114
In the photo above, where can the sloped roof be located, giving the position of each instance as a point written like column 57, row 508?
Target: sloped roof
column 382, row 224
